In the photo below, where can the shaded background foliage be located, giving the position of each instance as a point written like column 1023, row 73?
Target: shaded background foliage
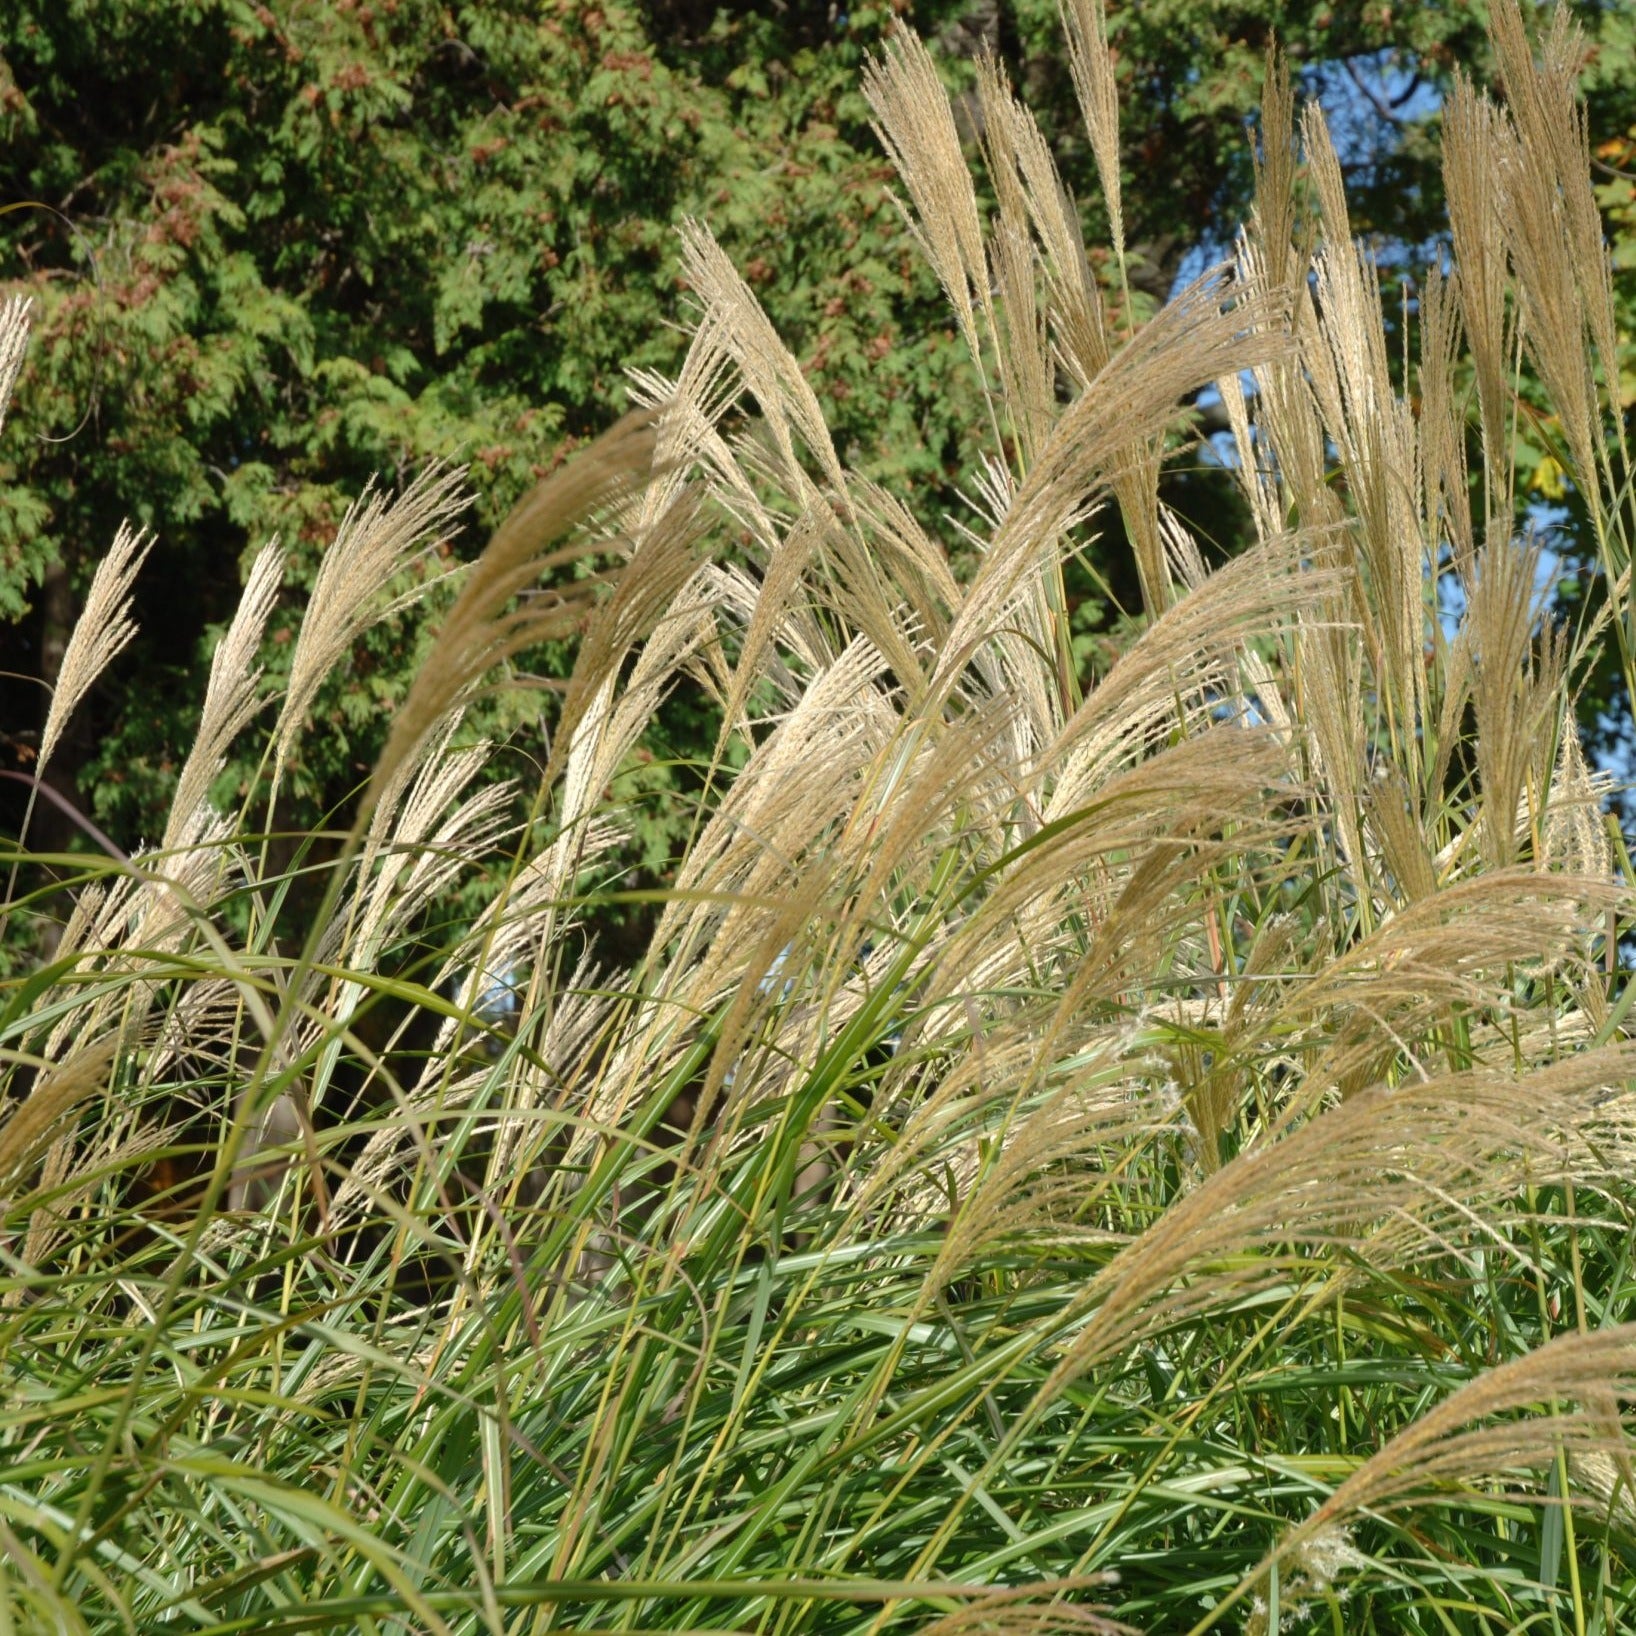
column 337, row 239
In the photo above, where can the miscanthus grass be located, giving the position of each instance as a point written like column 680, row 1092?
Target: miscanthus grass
column 1140, row 1152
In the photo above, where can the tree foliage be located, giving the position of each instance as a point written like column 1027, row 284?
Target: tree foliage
column 291, row 246
column 330, row 242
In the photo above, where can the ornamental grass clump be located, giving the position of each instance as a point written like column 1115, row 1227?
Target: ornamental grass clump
column 1147, row 1150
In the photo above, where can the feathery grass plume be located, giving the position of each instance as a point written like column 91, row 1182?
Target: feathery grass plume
column 204, row 1020
column 651, row 602
column 483, row 629
column 1446, row 506
column 994, row 1149
column 86, row 913
column 1019, row 320
column 1274, row 155
column 931, row 786
column 570, row 1026
column 1268, row 256
column 919, row 565
column 1375, row 431
column 1257, row 481
column 1510, row 1422
column 1004, row 287
column 774, row 861
column 1405, row 1174
column 1210, row 328
column 415, row 849
column 1125, row 872
column 1574, row 835
column 1516, row 690
column 601, row 725
column 652, row 635
column 1023, row 336
column 1472, row 153
column 1375, row 630
column 689, row 435
column 231, row 695
column 1074, row 307
column 1392, row 823
column 1136, row 485
column 1553, row 318
column 57, row 1158
column 915, row 125
column 1027, row 1187
column 59, row 1090
column 180, row 885
column 658, row 598
column 278, row 1137
column 1418, row 987
column 1134, row 857
column 773, row 601
column 100, row 634
column 1386, row 1181
column 806, row 778
column 415, row 797
column 1028, row 1610
column 1022, row 342
column 852, row 581
column 1542, row 94
column 159, row 908
column 996, row 135
column 735, row 321
column 14, row 328
column 1554, row 236
column 1085, row 23
column 1175, row 676
column 361, row 581
column 694, row 405
column 1289, row 434
column 1127, row 865
column 1328, row 699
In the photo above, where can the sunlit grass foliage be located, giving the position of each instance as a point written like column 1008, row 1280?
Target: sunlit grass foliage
column 1150, row 1151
